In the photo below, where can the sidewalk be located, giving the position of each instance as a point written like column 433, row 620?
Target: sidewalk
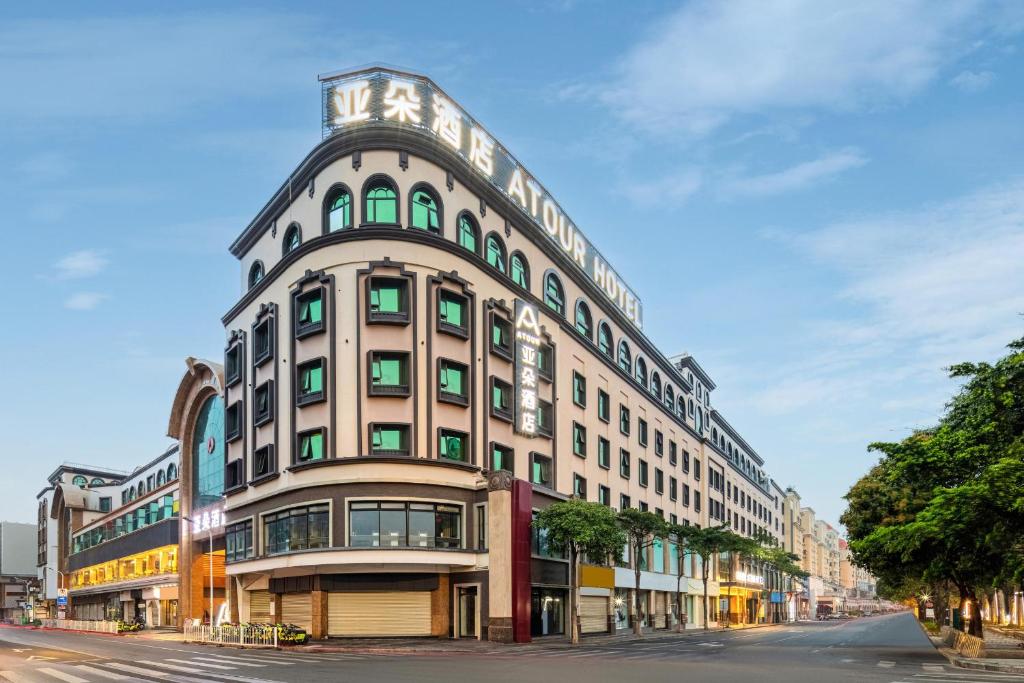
column 996, row 643
column 445, row 645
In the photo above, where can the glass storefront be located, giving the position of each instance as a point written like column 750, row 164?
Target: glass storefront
column 547, row 611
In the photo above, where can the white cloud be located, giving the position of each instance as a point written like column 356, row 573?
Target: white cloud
column 674, row 188
column 710, row 61
column 797, row 177
column 80, row 264
column 84, row 301
column 972, row 81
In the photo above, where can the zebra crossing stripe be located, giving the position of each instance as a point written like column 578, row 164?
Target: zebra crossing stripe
column 105, row 674
column 198, row 662
column 231, row 661
column 136, row 670
column 172, row 667
column 14, row 677
column 56, row 673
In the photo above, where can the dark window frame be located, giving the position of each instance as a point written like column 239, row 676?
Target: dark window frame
column 302, row 399
column 461, row 331
column 503, row 414
column 261, row 418
column 386, row 317
column 444, row 396
column 404, row 429
column 297, row 453
column 403, row 390
column 271, row 460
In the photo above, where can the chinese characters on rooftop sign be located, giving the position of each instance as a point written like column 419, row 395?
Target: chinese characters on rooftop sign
column 383, row 97
column 527, row 350
column 207, row 521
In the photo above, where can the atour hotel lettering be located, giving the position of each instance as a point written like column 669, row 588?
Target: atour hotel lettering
column 527, row 350
column 382, row 97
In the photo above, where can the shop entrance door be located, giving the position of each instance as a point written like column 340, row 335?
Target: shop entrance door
column 468, row 606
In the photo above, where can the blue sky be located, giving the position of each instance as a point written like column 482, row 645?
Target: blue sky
column 840, row 187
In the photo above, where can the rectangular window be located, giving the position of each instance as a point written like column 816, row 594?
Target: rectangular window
column 238, row 541
column 604, row 495
column 501, row 399
column 310, row 446
column 233, row 365
column 579, row 389
column 540, row 469
column 641, row 431
column 234, row 474
column 453, row 445
column 579, row 487
column 545, row 362
column 604, row 406
column 389, row 300
column 310, row 382
column 501, row 337
column 673, row 454
column 389, row 373
column 696, row 468
column 452, row 311
column 263, row 399
column 389, row 439
column 579, row 439
column 624, row 463
column 233, row 422
column 643, row 472
column 659, row 443
column 673, row 489
column 659, row 481
column 539, row 544
column 545, row 418
column 643, row 506
column 604, row 453
column 263, row 462
column 302, row 528
column 309, row 313
column 453, row 382
column 262, row 342
column 686, row 461
column 624, row 420
column 624, row 502
column 696, row 501
column 686, row 494
column 105, row 504
column 502, row 457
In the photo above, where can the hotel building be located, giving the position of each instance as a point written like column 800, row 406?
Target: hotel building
column 425, row 352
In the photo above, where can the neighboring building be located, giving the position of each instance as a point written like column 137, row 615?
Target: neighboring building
column 425, row 352
column 123, row 561
column 17, row 568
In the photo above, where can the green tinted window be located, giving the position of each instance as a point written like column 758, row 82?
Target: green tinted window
column 501, row 458
column 339, row 212
column 311, row 446
column 495, row 254
column 453, row 446
column 453, row 379
column 467, row 233
column 519, row 273
column 311, row 379
column 388, row 438
column 381, row 204
column 579, row 440
column 424, row 212
column 451, row 310
column 499, row 396
column 553, row 294
column 388, row 370
column 310, row 309
column 387, row 296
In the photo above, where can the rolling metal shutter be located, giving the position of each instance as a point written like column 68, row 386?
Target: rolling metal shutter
column 398, row 613
column 593, row 614
column 259, row 607
column 297, row 608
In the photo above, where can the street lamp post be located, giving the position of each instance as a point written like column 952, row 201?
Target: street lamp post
column 210, row 531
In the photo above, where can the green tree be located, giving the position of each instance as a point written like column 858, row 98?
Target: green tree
column 640, row 528
column 581, row 529
column 706, row 543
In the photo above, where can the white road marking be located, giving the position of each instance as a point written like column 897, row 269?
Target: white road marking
column 886, row 665
column 934, row 668
column 196, row 662
column 848, row 661
column 175, row 678
column 15, row 677
column 231, row 660
column 70, row 678
column 105, row 674
column 136, row 670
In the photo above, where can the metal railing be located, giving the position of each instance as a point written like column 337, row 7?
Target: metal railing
column 81, row 625
column 242, row 636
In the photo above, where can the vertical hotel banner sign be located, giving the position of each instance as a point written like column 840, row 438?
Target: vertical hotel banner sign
column 527, row 351
column 387, row 98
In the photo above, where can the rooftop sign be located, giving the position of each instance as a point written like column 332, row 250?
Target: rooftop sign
column 384, row 97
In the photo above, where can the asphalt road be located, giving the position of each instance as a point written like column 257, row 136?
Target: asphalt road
column 884, row 649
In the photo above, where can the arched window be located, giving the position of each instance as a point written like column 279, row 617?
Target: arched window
column 604, row 339
column 554, row 295
column 131, row 493
column 700, row 421
column 292, row 238
column 670, row 397
column 80, row 481
column 714, row 434
column 469, row 233
column 172, row 472
column 495, row 253
column 425, row 212
column 584, row 323
column 656, row 384
column 641, row 372
column 519, row 269
column 625, row 358
column 160, row 481
column 337, row 210
column 682, row 407
column 96, row 482
column 691, row 406
column 255, row 274
column 380, row 202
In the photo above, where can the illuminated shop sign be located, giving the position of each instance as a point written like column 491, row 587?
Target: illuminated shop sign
column 387, row 98
column 209, row 520
column 527, row 350
column 746, row 577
